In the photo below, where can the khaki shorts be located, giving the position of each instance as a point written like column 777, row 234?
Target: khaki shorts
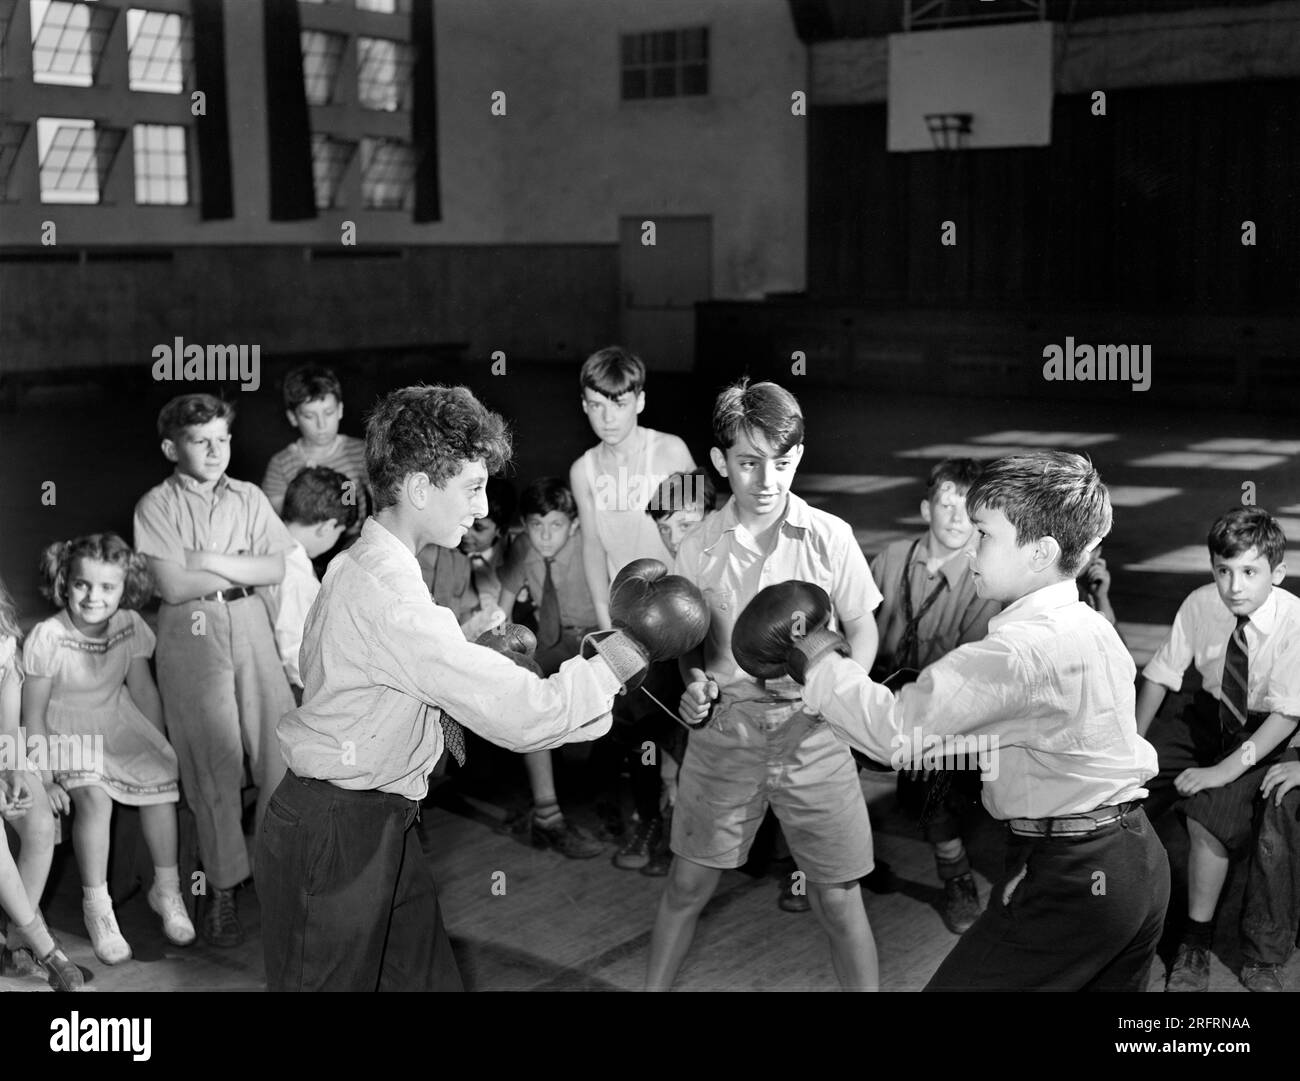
column 759, row 754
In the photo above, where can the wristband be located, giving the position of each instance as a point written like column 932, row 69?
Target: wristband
column 812, row 647
column 624, row 655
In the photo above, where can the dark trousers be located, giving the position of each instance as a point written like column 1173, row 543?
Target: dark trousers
column 1270, row 911
column 1086, row 916
column 348, row 900
column 638, row 722
column 1189, row 739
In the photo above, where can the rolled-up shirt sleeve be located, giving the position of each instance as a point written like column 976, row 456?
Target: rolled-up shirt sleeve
column 1171, row 660
column 978, row 688
column 1282, row 694
column 155, row 532
column 427, row 657
column 855, row 593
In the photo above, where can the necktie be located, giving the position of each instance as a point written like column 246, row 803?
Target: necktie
column 907, row 653
column 454, row 736
column 548, row 612
column 1233, row 694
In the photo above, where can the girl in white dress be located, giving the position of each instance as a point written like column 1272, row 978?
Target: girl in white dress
column 88, row 683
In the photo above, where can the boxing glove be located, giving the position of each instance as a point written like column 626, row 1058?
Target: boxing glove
column 784, row 630
column 513, row 641
column 665, row 613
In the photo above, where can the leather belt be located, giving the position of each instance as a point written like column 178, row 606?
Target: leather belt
column 1088, row 822
column 225, row 596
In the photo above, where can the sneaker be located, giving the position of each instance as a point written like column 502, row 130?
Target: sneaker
column 961, row 903
column 635, row 853
column 1261, row 976
column 177, row 927
column 60, row 971
column 1191, row 969
column 568, row 840
column 221, row 925
column 789, row 901
column 105, row 937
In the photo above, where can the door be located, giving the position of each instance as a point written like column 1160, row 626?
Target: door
column 661, row 283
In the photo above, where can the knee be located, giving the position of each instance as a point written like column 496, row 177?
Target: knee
column 687, row 888
column 839, row 905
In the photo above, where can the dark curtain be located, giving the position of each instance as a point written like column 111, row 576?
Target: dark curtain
column 424, row 113
column 212, row 130
column 288, row 123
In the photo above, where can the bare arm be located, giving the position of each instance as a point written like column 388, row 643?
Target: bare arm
column 863, row 637
column 506, row 601
column 243, row 570
column 1266, row 738
column 11, row 702
column 593, row 552
column 144, row 692
column 1150, row 698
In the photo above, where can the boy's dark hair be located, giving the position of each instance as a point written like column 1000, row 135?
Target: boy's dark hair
column 318, row 494
column 962, row 472
column 546, row 494
column 1047, row 493
column 1244, row 528
column 189, row 410
column 613, row 371
column 761, row 408
column 309, row 383
column 433, row 430
column 58, row 558
column 682, row 491
column 501, row 502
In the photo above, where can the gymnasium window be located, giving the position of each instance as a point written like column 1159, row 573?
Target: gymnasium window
column 384, row 7
column 156, row 46
column 6, row 18
column 76, row 156
column 161, row 167
column 12, row 135
column 322, row 59
column 383, row 74
column 68, row 41
column 666, row 64
column 387, row 171
column 330, row 158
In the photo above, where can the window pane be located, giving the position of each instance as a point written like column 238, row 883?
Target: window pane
column 66, row 151
column 68, row 41
column 322, row 57
column 695, row 79
column 154, row 51
column 330, row 158
column 634, row 83
column 663, row 82
column 383, row 74
column 695, row 44
column 161, row 167
column 387, row 169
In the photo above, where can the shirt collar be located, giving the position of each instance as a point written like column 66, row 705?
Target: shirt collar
column 1264, row 618
column 1057, row 595
column 798, row 516
column 379, row 535
column 184, row 480
column 953, row 568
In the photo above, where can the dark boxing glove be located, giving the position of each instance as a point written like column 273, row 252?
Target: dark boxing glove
column 665, row 613
column 513, row 641
column 784, row 630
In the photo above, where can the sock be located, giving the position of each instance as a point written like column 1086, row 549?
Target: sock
column 167, row 879
column 953, row 868
column 96, row 897
column 548, row 815
column 37, row 936
column 1199, row 935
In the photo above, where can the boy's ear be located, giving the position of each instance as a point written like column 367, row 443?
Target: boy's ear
column 1279, row 573
column 340, row 408
column 925, row 511
column 1047, row 553
column 169, row 450
column 292, row 416
column 719, row 460
column 324, row 528
column 640, row 401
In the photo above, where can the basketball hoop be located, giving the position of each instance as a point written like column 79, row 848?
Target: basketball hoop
column 948, row 130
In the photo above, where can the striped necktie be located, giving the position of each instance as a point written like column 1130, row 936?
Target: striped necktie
column 548, row 612
column 1234, row 693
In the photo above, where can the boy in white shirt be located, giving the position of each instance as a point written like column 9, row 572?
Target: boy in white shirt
column 319, row 507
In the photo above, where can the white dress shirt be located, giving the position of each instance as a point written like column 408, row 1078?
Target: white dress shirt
column 1048, row 693
column 380, row 660
column 290, row 601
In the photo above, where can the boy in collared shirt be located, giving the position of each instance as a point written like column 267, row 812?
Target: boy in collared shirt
column 316, row 513
column 762, row 746
column 931, row 607
column 547, row 560
column 1050, row 692
column 211, row 542
column 1243, row 635
column 348, row 900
